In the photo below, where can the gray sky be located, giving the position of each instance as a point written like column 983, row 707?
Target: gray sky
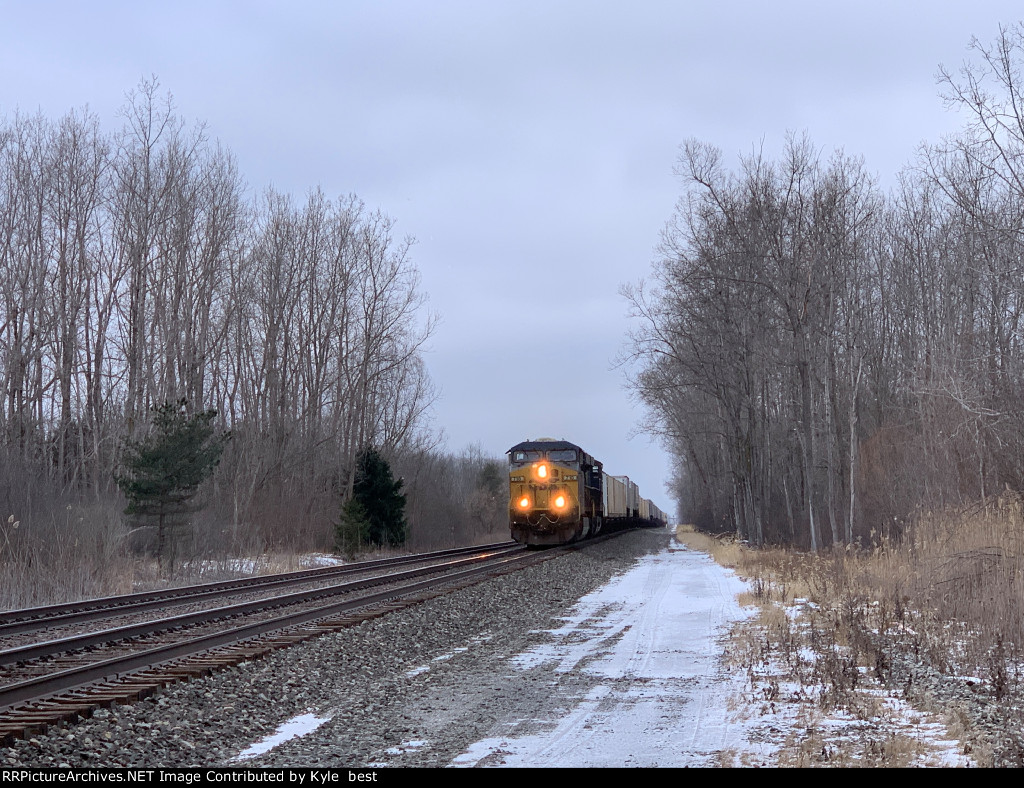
column 527, row 146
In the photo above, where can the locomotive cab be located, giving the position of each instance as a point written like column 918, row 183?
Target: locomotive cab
column 554, row 492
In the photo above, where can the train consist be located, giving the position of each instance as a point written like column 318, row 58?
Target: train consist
column 558, row 493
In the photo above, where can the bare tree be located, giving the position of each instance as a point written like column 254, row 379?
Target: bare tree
column 135, row 269
column 749, row 341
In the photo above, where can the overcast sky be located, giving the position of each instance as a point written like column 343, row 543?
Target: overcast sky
column 527, row 146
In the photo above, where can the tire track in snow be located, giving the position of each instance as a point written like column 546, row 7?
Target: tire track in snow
column 649, row 640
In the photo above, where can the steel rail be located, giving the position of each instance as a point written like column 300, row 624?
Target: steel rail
column 42, row 687
column 153, row 626
column 24, row 620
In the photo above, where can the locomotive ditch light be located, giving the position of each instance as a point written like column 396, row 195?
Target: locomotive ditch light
column 524, row 503
column 560, row 502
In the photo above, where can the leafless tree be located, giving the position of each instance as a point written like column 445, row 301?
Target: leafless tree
column 750, row 341
column 135, row 269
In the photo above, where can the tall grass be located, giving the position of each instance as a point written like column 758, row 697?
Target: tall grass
column 951, row 588
column 947, row 596
column 68, row 553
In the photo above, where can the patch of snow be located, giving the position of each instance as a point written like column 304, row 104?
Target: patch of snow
column 235, row 566
column 407, row 746
column 444, row 657
column 297, row 726
column 651, row 637
column 455, row 653
column 314, row 560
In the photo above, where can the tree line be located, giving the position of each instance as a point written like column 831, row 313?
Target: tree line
column 137, row 270
column 824, row 360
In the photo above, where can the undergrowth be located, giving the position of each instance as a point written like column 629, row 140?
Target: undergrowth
column 932, row 620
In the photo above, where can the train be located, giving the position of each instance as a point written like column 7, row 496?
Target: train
column 559, row 494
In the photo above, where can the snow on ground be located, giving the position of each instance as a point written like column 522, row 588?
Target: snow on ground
column 443, row 658
column 660, row 693
column 261, row 564
column 653, row 637
column 291, row 729
column 316, row 560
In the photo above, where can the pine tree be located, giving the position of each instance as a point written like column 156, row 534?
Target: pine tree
column 352, row 530
column 164, row 469
column 376, row 511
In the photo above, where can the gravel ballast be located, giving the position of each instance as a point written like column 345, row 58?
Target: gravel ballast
column 413, row 688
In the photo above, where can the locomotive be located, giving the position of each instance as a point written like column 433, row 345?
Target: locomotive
column 558, row 494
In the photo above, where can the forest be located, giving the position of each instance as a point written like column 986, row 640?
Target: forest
column 827, row 361
column 138, row 269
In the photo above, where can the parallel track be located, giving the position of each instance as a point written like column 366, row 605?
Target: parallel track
column 67, row 678
column 28, row 620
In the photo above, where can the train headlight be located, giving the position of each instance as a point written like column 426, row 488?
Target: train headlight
column 524, row 503
column 542, row 471
column 560, row 502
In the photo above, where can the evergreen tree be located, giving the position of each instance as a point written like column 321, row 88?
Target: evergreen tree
column 353, row 530
column 493, row 480
column 376, row 511
column 162, row 471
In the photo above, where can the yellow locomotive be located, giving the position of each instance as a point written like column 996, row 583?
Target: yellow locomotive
column 558, row 493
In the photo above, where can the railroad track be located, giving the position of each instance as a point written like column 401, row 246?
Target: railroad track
column 32, row 620
column 45, row 680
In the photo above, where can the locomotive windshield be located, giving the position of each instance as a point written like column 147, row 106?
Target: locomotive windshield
column 561, row 456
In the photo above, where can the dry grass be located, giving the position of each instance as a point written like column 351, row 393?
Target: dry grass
column 724, row 549
column 948, row 595
column 859, row 748
column 72, row 553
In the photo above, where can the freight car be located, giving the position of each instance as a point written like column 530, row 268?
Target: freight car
column 558, row 493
